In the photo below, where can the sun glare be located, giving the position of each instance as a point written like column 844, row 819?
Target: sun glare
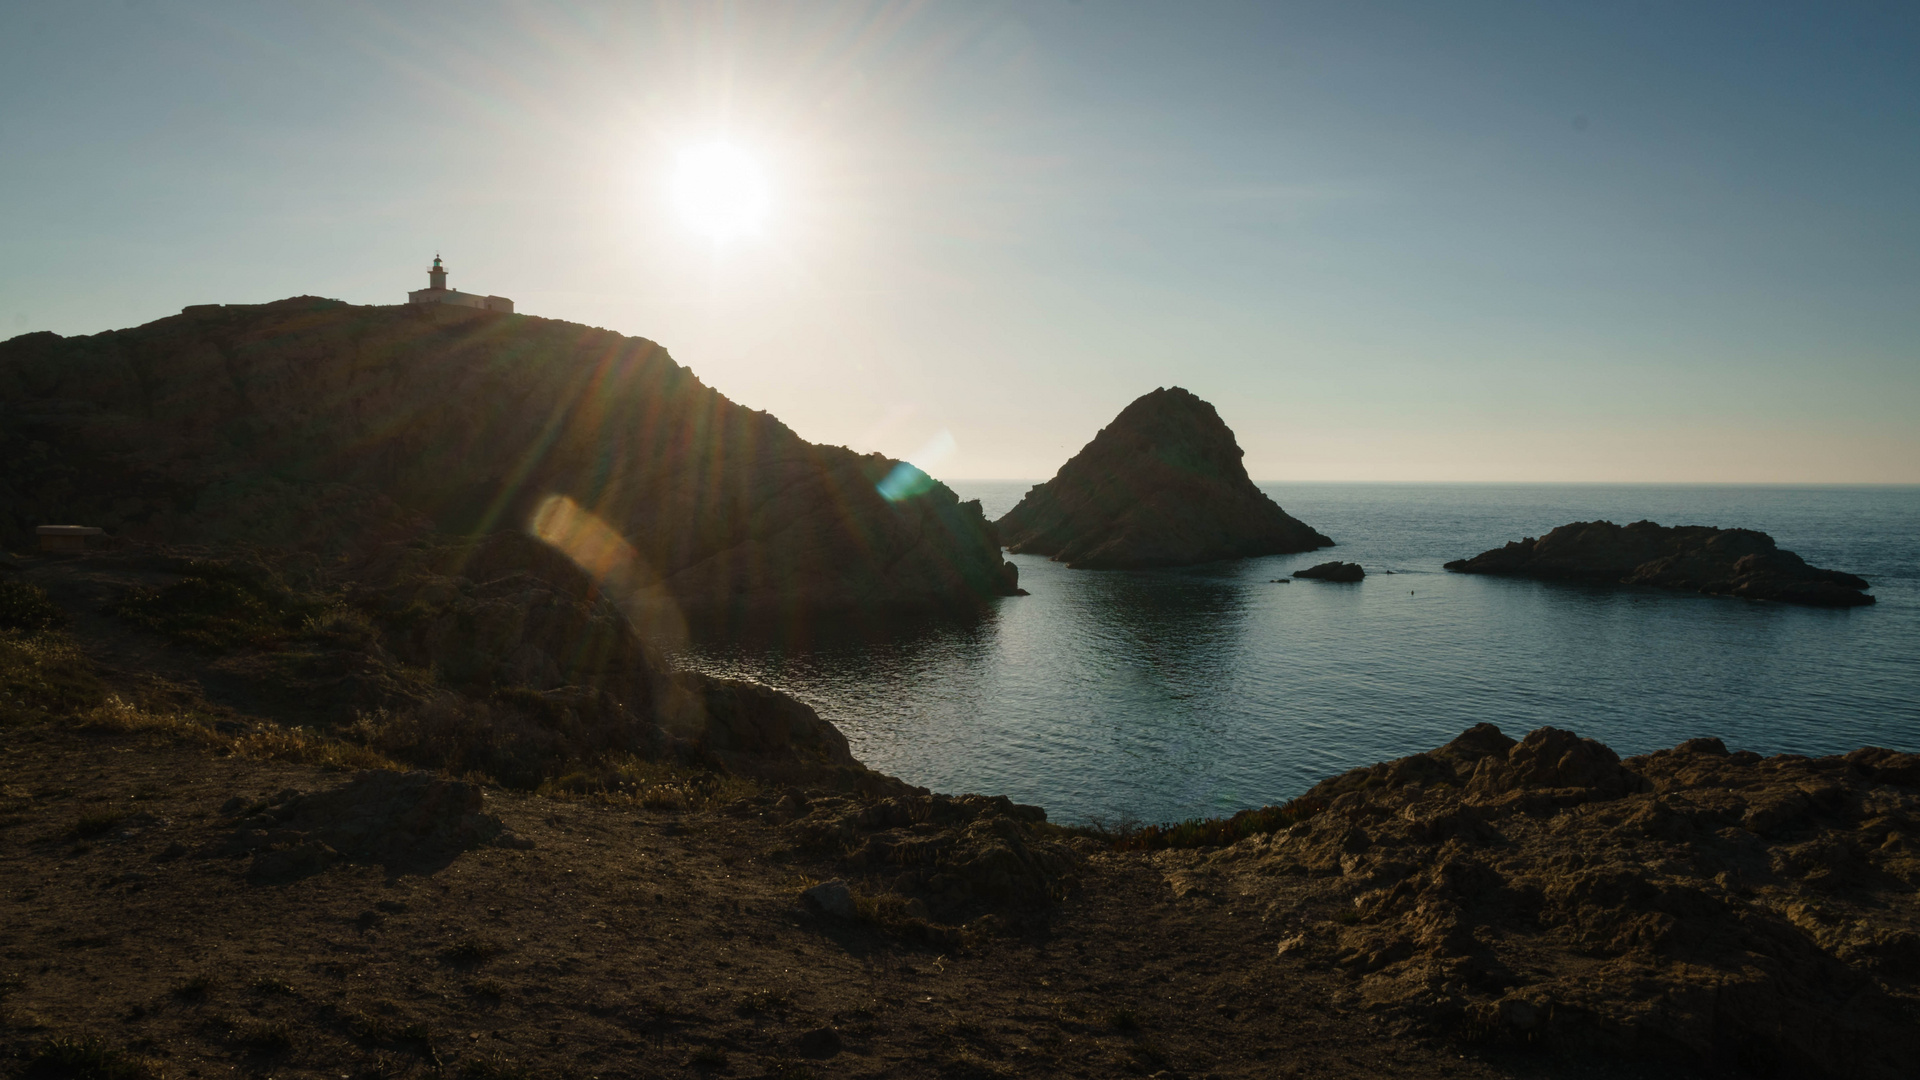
column 720, row 191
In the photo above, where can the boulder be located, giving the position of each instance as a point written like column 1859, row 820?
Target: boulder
column 1333, row 571
column 831, row 898
column 1687, row 558
column 1162, row 485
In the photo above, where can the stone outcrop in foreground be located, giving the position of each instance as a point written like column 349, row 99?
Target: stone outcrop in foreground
column 1163, row 485
column 316, row 425
column 1724, row 909
column 1686, row 558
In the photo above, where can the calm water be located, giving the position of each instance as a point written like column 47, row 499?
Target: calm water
column 1166, row 694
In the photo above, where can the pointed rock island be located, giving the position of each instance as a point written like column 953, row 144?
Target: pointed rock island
column 1163, row 485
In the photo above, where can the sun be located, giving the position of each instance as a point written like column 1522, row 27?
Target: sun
column 720, row 191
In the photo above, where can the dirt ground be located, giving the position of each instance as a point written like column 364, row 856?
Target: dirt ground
column 614, row 942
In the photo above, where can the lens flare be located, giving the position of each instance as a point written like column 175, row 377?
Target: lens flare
column 721, row 191
column 605, row 556
column 907, row 480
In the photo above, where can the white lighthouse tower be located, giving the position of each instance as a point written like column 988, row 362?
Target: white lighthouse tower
column 437, row 292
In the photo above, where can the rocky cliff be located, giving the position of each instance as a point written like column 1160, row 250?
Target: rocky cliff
column 314, row 424
column 1688, row 558
column 1163, row 485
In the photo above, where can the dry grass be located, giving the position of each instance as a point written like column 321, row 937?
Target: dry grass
column 44, row 675
column 266, row 741
column 27, row 607
column 220, row 605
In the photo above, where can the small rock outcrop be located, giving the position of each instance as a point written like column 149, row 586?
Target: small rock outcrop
column 1685, row 558
column 935, row 860
column 1333, row 571
column 1727, row 910
column 1163, row 485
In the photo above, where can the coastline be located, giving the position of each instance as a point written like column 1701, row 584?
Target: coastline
column 662, row 923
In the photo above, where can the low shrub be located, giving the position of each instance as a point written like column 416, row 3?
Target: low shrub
column 26, row 607
column 219, row 606
column 43, row 674
column 517, row 738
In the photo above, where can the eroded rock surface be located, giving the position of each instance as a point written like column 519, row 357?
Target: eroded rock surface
column 1688, row 558
column 1719, row 908
column 1162, row 485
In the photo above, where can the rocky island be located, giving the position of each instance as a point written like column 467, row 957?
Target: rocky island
column 1687, row 558
column 1333, row 571
column 1162, row 485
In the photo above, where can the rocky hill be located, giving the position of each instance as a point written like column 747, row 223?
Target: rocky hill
column 1163, row 485
column 318, row 425
column 1687, row 558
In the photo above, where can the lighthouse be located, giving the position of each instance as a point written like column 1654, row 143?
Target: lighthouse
column 437, row 292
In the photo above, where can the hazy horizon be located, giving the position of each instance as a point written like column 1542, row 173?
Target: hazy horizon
column 1495, row 243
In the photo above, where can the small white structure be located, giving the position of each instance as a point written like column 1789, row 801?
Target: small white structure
column 437, row 292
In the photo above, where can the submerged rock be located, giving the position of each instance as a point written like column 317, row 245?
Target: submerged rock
column 1333, row 571
column 1687, row 558
column 1163, row 485
column 1723, row 909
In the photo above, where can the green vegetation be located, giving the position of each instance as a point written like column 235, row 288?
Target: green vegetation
column 42, row 675
column 219, row 606
column 26, row 607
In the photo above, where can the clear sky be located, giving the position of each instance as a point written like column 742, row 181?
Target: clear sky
column 1463, row 241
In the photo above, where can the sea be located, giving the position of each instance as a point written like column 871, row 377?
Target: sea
column 1156, row 696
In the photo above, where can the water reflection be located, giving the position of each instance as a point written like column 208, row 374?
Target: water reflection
column 1172, row 693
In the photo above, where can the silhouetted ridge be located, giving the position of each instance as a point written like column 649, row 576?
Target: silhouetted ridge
column 315, row 424
column 1163, row 485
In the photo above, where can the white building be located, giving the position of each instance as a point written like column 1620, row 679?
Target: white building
column 437, row 292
